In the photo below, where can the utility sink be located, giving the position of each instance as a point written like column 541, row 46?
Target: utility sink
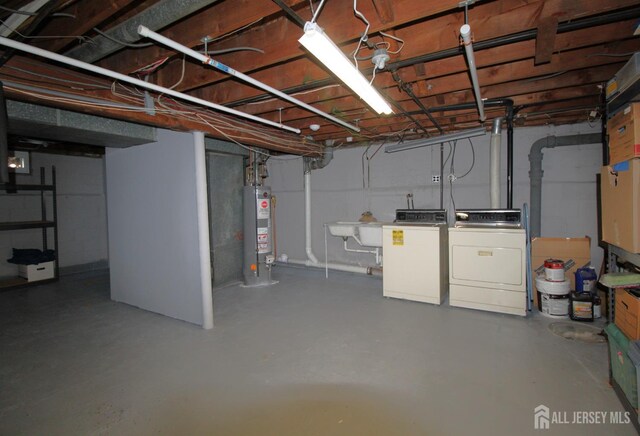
column 371, row 234
column 344, row 229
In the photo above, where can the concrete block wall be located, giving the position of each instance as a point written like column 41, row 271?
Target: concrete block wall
column 82, row 229
column 568, row 197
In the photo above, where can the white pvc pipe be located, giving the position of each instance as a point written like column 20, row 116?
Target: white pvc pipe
column 203, row 231
column 307, row 218
column 331, row 265
column 465, row 31
column 141, row 83
column 311, row 258
column 205, row 59
column 496, row 139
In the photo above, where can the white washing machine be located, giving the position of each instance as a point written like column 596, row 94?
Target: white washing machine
column 415, row 256
column 487, row 262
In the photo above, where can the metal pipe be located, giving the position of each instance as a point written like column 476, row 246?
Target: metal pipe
column 290, row 13
column 333, row 266
column 4, row 138
column 510, row 114
column 496, row 139
column 465, row 32
column 141, row 83
column 146, row 32
column 536, row 173
column 157, row 16
column 407, row 88
column 496, row 102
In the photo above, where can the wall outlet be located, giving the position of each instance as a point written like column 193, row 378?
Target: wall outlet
column 435, row 179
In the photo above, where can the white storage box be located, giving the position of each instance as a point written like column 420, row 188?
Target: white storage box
column 33, row 273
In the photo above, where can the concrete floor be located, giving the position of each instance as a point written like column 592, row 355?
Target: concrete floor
column 307, row 356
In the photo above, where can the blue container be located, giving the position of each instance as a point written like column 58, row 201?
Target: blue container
column 586, row 279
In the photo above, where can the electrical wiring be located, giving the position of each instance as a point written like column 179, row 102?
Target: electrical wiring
column 451, row 177
column 227, row 126
column 611, row 55
column 123, row 43
column 548, row 76
column 297, row 93
column 232, row 49
column 400, row 40
column 33, row 14
column 152, row 67
column 364, row 35
column 315, row 14
column 473, row 160
column 81, row 38
column 239, row 29
column 22, row 70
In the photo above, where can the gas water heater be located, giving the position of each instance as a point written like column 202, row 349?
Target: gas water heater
column 258, row 233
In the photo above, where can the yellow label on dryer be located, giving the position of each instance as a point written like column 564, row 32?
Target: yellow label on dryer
column 398, row 237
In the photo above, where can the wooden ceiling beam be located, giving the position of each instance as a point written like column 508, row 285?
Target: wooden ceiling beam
column 218, row 20
column 513, row 73
column 490, row 20
column 519, row 91
column 92, row 98
column 279, row 38
column 584, row 94
column 88, row 14
column 545, row 40
column 302, row 70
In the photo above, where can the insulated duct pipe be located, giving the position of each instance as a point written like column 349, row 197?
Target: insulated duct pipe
column 205, row 59
column 465, row 32
column 316, row 163
column 535, row 170
column 141, row 83
column 496, row 139
column 158, row 16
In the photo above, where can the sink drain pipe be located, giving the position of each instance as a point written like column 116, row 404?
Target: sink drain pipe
column 312, row 260
column 535, row 170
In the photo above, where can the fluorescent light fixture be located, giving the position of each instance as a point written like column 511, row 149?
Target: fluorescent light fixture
column 424, row 142
column 323, row 48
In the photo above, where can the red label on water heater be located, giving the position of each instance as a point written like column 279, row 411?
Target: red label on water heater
column 264, row 204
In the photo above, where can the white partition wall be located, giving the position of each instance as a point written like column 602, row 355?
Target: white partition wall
column 158, row 227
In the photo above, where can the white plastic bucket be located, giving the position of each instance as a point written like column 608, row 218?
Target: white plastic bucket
column 554, row 297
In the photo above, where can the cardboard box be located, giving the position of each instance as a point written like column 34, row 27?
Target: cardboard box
column 624, row 134
column 627, row 309
column 578, row 249
column 620, row 197
column 39, row 271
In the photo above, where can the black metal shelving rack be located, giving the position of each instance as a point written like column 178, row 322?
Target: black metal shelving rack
column 618, row 255
column 43, row 223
